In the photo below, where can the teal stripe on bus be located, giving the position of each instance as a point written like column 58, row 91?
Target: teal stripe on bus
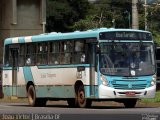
column 21, row 40
column 8, row 41
column 7, row 68
column 62, row 66
column 65, row 36
column 27, row 74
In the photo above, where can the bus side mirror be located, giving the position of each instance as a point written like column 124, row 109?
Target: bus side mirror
column 97, row 49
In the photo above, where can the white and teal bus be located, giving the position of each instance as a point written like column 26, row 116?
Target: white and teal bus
column 81, row 67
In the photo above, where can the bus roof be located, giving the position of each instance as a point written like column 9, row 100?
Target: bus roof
column 93, row 33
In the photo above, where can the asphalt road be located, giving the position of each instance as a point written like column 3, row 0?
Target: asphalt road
column 60, row 111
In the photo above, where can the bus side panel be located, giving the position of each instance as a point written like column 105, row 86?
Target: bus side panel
column 7, row 82
column 21, row 83
column 55, row 91
column 20, row 86
column 7, row 77
column 59, row 82
column 54, row 76
column 55, row 82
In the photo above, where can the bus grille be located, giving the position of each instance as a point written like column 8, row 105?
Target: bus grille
column 129, row 84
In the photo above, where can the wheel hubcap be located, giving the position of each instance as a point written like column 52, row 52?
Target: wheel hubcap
column 81, row 97
column 31, row 96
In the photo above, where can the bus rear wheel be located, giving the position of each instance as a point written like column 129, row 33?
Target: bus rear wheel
column 81, row 101
column 33, row 101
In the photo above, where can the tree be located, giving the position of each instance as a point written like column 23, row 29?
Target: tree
column 70, row 15
column 85, row 24
column 110, row 13
column 61, row 14
column 118, row 11
column 153, row 18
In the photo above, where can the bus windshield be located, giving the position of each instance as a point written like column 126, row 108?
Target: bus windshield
column 127, row 59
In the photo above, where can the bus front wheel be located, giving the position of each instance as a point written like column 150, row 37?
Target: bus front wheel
column 81, row 101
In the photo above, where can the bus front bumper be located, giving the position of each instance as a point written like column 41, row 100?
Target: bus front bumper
column 109, row 93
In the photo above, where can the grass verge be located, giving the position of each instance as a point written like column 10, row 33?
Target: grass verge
column 152, row 100
column 9, row 99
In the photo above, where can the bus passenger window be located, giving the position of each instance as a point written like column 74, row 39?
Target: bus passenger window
column 79, row 55
column 7, row 58
column 54, row 53
column 30, row 54
column 21, row 55
column 28, row 61
column 42, row 53
column 83, row 58
column 66, row 52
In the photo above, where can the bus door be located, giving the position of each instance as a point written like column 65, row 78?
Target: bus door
column 92, row 61
column 14, row 58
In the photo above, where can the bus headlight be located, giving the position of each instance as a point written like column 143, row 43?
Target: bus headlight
column 104, row 80
column 153, row 81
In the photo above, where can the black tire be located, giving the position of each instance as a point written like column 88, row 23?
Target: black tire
column 32, row 100
column 81, row 101
column 31, row 95
column 131, row 103
column 41, row 102
column 71, row 102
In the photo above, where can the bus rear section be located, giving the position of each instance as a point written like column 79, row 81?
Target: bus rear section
column 50, row 70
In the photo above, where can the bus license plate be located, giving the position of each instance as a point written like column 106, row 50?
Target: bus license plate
column 131, row 93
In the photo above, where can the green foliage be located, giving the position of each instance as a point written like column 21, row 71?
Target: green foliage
column 111, row 13
column 156, row 37
column 70, row 15
column 85, row 24
column 153, row 18
column 61, row 14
